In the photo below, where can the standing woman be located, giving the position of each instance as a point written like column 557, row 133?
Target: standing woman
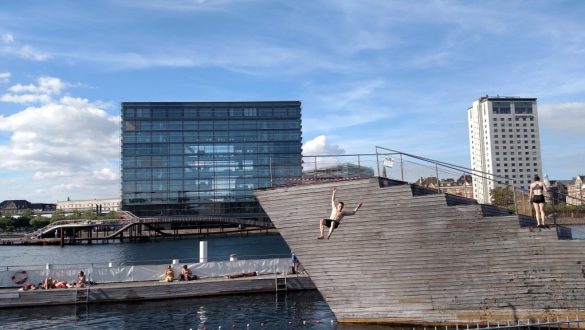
column 537, row 190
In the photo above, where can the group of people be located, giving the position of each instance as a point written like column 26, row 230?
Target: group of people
column 50, row 283
column 186, row 274
column 536, row 194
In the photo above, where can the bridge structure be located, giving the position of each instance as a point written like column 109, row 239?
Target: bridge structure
column 133, row 228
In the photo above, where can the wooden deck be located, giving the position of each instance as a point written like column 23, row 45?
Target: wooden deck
column 137, row 291
column 418, row 257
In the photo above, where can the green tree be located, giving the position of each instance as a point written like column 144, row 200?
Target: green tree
column 20, row 222
column 76, row 215
column 6, row 223
column 89, row 215
column 503, row 197
column 58, row 215
column 39, row 222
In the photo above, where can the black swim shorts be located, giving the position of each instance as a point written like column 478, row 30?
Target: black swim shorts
column 538, row 199
column 329, row 221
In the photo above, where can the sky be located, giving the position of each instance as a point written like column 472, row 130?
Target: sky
column 396, row 74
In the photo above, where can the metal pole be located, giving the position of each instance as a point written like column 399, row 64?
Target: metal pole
column 401, row 169
column 377, row 162
column 437, row 174
column 270, row 166
column 202, row 251
column 514, row 196
column 315, row 171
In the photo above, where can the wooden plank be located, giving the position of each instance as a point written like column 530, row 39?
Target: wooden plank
column 406, row 254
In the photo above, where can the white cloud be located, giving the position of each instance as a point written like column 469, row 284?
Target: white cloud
column 565, row 118
column 9, row 46
column 184, row 5
column 5, row 77
column 47, row 85
column 68, row 146
column 40, row 93
column 7, row 38
column 345, row 105
column 319, row 146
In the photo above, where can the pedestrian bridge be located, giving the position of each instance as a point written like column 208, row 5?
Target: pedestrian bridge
column 135, row 228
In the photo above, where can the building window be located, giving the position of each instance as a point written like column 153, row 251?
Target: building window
column 501, row 108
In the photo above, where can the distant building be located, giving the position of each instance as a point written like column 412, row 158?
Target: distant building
column 576, row 191
column 205, row 158
column 556, row 190
column 345, row 170
column 460, row 187
column 17, row 207
column 97, row 205
column 504, row 143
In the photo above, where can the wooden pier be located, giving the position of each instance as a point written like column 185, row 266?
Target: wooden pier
column 153, row 290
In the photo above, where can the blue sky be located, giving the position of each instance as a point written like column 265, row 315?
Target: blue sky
column 398, row 74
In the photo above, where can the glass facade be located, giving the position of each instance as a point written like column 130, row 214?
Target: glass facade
column 203, row 158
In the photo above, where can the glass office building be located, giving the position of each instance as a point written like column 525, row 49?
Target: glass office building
column 204, row 158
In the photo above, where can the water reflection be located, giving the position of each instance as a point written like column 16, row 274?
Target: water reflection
column 293, row 310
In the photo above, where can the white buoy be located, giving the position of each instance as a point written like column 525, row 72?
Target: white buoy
column 202, row 251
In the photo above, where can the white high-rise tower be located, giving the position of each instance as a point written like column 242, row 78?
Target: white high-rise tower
column 505, row 143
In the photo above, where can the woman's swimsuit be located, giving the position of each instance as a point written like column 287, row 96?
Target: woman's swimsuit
column 538, row 199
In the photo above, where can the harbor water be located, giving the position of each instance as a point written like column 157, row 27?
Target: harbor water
column 288, row 310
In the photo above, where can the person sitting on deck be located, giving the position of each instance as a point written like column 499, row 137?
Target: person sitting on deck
column 169, row 274
column 48, row 283
column 337, row 214
column 81, row 280
column 186, row 274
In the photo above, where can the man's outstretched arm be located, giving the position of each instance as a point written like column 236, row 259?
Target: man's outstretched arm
column 354, row 210
column 334, row 190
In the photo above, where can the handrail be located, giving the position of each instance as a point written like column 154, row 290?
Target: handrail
column 61, row 223
column 520, row 203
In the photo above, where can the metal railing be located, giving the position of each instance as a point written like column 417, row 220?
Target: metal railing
column 429, row 173
column 548, row 324
column 60, row 223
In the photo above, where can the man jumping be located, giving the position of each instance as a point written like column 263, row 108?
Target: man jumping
column 337, row 214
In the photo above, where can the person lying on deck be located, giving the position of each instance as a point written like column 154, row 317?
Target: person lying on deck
column 337, row 214
column 245, row 274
